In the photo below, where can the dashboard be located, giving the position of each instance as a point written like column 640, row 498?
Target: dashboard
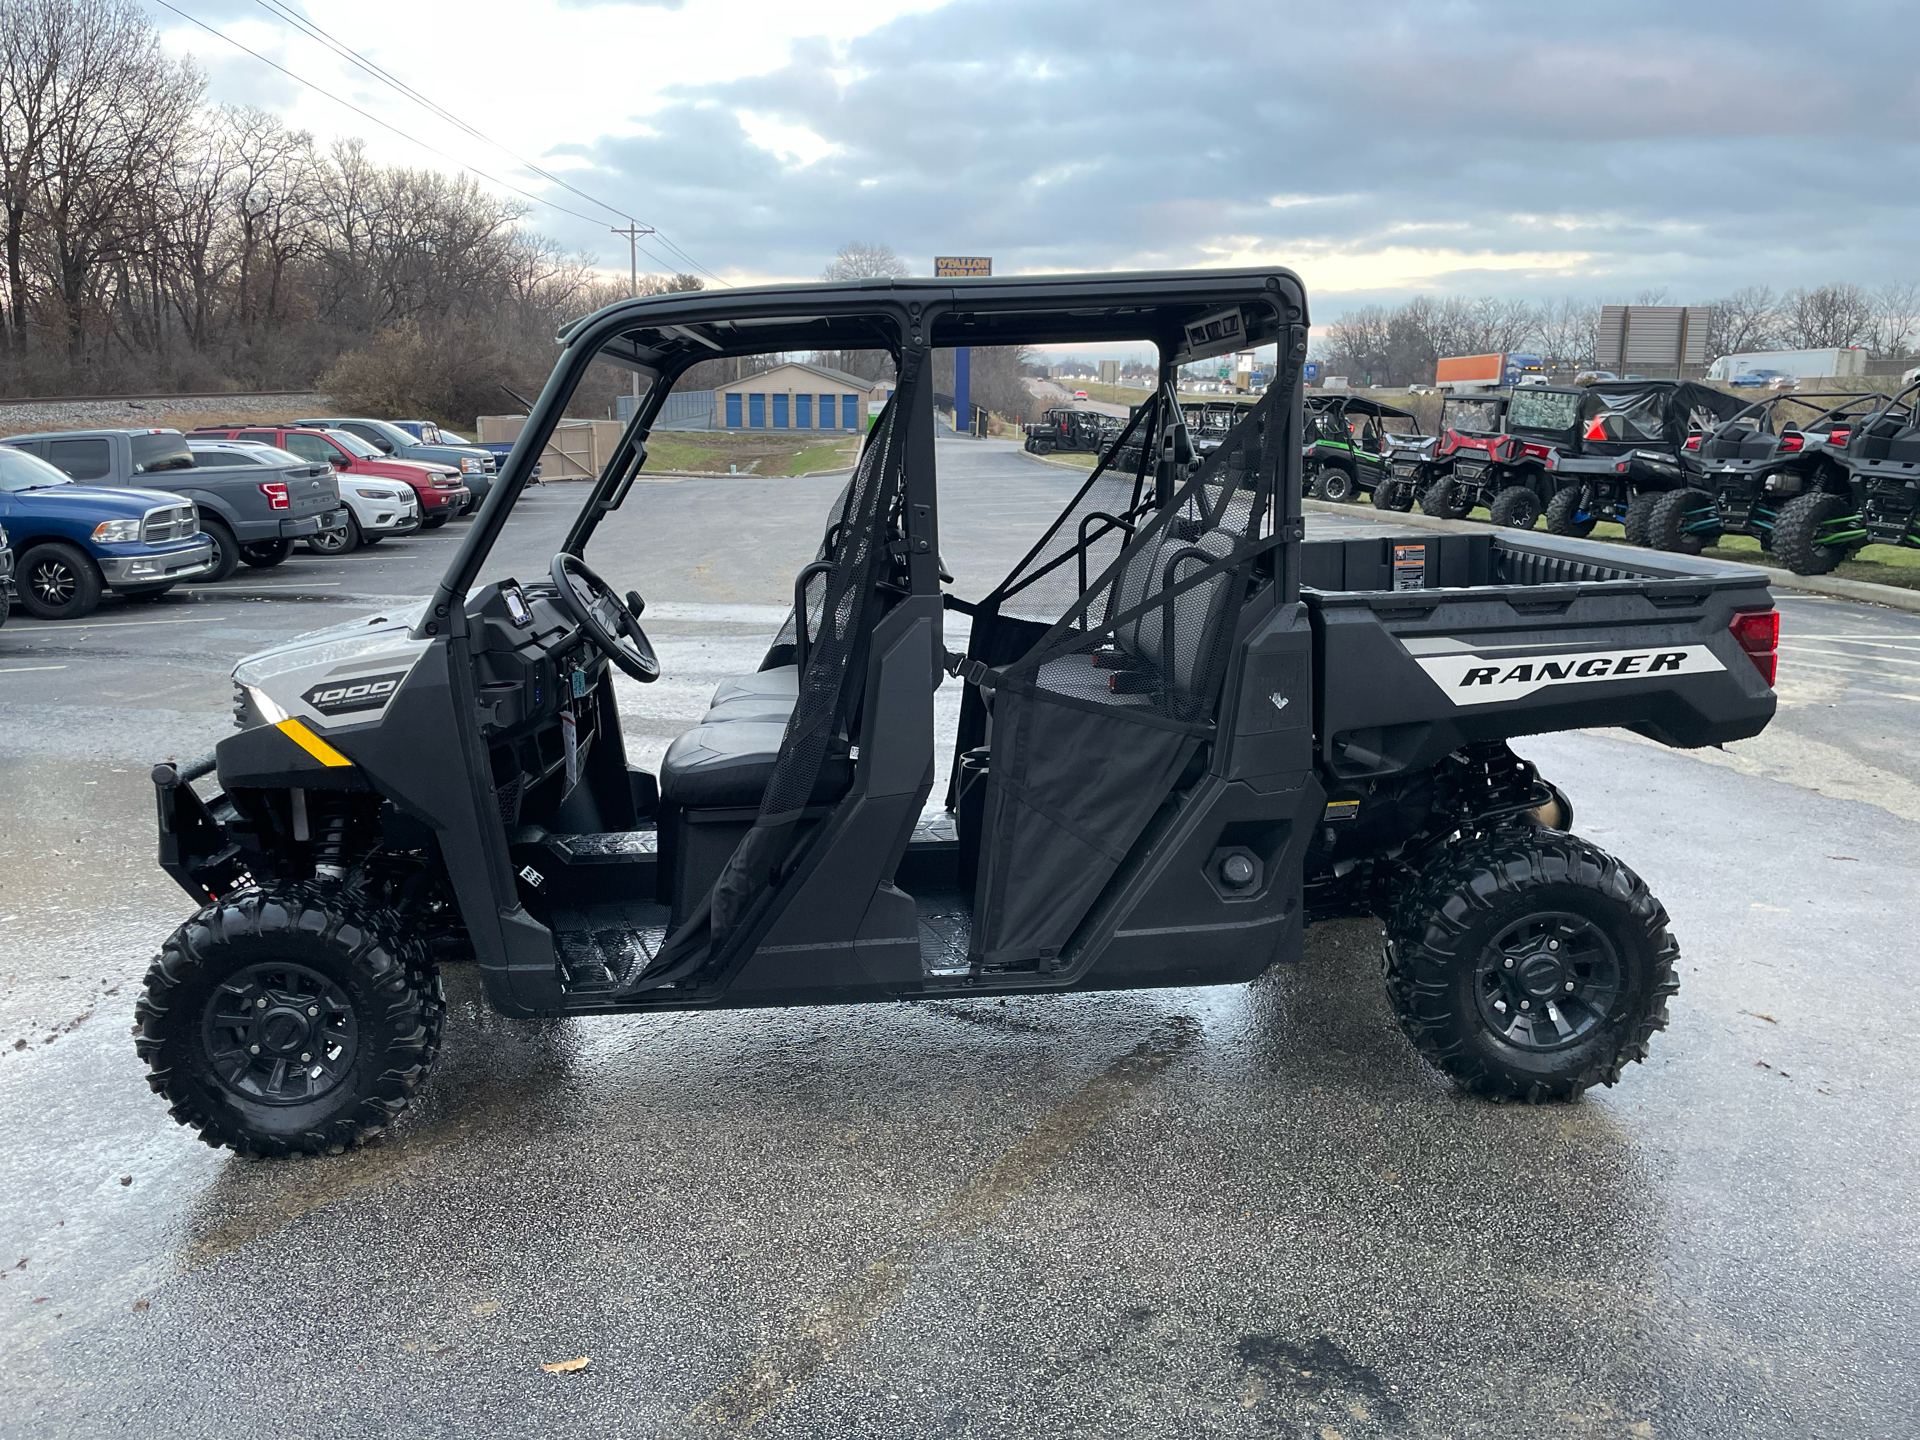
column 531, row 661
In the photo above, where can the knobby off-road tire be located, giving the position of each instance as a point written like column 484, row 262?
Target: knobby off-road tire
column 1447, row 976
column 1393, row 495
column 1567, row 516
column 1640, row 515
column 1515, row 507
column 1437, row 500
column 1334, row 485
column 342, row 984
column 1798, row 524
column 1667, row 526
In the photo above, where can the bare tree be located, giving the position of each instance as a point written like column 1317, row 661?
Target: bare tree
column 1569, row 333
column 858, row 260
column 1896, row 319
column 1747, row 320
column 1827, row 316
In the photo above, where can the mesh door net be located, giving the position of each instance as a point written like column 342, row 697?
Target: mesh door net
column 856, row 560
column 1094, row 724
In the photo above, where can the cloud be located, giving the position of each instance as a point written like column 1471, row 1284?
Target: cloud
column 1510, row 147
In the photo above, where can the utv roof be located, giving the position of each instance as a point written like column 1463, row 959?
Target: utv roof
column 1360, row 405
column 1190, row 315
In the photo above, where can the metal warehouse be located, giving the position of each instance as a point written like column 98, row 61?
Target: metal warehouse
column 797, row 396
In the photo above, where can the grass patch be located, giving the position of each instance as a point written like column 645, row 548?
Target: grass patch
column 764, row 452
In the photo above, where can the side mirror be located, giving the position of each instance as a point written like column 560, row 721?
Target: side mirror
column 342, row 462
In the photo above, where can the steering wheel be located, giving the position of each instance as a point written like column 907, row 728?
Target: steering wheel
column 612, row 625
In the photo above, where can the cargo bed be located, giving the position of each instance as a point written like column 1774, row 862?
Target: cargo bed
column 1426, row 642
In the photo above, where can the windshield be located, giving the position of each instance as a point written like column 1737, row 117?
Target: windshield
column 166, row 451
column 1535, row 409
column 353, row 445
column 21, row 471
column 1479, row 416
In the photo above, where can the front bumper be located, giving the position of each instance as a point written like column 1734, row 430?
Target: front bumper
column 162, row 567
column 437, row 501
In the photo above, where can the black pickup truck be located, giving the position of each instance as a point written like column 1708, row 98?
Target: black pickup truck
column 1185, row 732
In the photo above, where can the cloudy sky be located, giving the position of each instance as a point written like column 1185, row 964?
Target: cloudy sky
column 1600, row 150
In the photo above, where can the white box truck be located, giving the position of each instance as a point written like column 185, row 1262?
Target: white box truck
column 1801, row 364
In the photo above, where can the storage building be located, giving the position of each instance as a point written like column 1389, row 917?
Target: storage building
column 797, row 396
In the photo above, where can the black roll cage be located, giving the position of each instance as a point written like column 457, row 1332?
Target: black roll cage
column 1188, row 315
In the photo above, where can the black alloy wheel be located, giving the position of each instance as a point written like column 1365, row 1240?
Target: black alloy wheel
column 57, row 581
column 278, row 1033
column 265, row 554
column 1547, row 981
column 1515, row 507
column 1334, row 485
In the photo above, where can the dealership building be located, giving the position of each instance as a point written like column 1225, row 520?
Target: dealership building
column 798, row 396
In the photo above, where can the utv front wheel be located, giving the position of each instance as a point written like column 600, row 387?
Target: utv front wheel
column 1438, row 501
column 1530, row 965
column 1393, row 495
column 1567, row 513
column 300, row 1019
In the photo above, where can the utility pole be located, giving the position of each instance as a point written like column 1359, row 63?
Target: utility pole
column 633, row 233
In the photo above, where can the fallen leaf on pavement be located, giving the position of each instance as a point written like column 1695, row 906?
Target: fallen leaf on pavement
column 567, row 1367
column 139, row 1306
column 487, row 1307
column 1758, row 1016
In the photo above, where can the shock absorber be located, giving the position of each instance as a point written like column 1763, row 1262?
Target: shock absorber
column 330, row 844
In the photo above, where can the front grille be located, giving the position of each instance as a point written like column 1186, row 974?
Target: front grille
column 169, row 522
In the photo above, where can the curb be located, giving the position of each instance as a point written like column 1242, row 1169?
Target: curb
column 1865, row 591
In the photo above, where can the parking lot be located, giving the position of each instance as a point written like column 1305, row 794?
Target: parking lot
column 1240, row 1211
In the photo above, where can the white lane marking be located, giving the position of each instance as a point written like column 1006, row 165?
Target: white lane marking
column 1861, row 659
column 209, row 590
column 1893, row 641
column 1860, row 678
column 119, row 624
column 23, row 669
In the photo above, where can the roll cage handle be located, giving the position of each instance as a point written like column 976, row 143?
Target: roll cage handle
column 1113, row 522
column 801, row 642
column 1169, row 664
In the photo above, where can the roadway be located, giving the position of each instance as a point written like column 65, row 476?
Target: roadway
column 1242, row 1211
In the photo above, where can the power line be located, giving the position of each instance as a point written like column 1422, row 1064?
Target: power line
column 450, row 159
column 406, row 91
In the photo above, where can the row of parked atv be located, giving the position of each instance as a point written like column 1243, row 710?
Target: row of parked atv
column 1678, row 465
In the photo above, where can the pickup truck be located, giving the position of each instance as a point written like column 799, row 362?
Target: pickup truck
column 75, row 542
column 249, row 514
column 437, row 491
column 476, row 466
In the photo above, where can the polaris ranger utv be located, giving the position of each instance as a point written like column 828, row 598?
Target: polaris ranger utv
column 1881, row 503
column 1349, row 440
column 1185, row 732
column 1612, row 450
column 1065, row 428
column 1752, row 466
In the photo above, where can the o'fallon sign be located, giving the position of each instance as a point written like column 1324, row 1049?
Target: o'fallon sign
column 962, row 267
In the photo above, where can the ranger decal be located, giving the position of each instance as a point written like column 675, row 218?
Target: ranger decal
column 1470, row 679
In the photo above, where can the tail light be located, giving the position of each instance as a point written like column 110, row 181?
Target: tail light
column 1839, row 437
column 1791, row 444
column 1758, row 632
column 276, row 493
column 1693, row 442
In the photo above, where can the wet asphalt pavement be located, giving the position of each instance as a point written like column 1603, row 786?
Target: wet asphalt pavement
column 1238, row 1211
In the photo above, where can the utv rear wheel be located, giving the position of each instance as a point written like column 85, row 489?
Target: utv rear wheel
column 1567, row 513
column 300, row 1019
column 1640, row 515
column 1530, row 965
column 1393, row 495
column 1804, row 531
column 1669, row 526
column 1516, row 507
column 1438, row 501
column 58, row 581
column 1334, row 484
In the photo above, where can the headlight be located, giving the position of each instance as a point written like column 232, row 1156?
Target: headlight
column 375, row 494
column 116, row 532
column 471, row 466
column 264, row 706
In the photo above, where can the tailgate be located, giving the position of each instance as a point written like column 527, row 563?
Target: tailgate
column 1448, row 639
column 311, row 490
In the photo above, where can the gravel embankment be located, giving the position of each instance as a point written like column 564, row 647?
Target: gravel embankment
column 200, row 409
